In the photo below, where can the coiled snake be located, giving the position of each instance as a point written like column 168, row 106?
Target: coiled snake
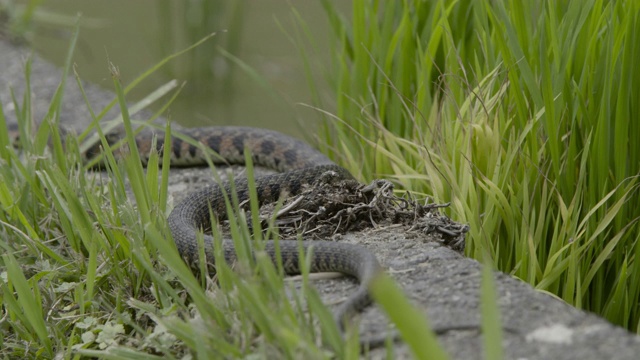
column 299, row 165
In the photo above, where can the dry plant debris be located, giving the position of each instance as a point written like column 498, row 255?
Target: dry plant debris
column 331, row 207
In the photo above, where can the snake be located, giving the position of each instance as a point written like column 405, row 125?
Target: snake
column 297, row 164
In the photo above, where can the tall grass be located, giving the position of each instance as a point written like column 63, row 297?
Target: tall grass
column 523, row 114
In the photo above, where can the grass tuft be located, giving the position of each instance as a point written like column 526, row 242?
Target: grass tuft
column 518, row 113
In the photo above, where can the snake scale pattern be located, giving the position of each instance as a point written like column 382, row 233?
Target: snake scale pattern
column 298, row 164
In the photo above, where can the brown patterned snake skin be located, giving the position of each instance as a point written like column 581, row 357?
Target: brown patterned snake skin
column 299, row 165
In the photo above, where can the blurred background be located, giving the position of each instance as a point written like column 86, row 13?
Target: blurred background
column 255, row 71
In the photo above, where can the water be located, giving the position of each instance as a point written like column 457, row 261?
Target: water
column 134, row 35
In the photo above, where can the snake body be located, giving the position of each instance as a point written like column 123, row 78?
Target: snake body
column 299, row 165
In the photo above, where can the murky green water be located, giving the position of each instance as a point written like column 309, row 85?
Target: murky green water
column 134, row 35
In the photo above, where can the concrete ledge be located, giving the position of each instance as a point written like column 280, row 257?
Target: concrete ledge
column 444, row 284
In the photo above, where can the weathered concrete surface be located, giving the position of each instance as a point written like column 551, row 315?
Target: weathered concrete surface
column 442, row 283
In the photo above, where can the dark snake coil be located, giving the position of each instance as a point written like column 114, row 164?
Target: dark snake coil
column 299, row 165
